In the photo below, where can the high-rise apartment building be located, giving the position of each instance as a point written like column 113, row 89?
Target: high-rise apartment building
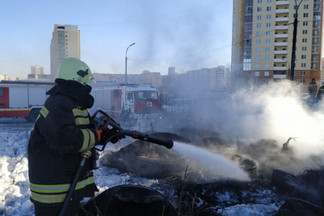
column 263, row 39
column 37, row 70
column 65, row 43
column 37, row 74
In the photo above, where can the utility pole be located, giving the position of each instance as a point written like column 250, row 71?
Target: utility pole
column 293, row 54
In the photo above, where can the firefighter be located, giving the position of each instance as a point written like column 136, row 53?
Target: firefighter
column 320, row 92
column 62, row 132
column 312, row 88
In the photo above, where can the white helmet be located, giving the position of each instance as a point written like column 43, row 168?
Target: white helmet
column 75, row 69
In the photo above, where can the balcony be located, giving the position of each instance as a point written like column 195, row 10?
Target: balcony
column 279, row 76
column 315, row 51
column 282, row 11
column 280, row 60
column 281, row 27
column 280, row 68
column 282, row 2
column 280, row 52
column 281, row 43
column 282, row 19
column 281, row 35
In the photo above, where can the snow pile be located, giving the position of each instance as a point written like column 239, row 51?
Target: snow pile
column 14, row 189
column 249, row 210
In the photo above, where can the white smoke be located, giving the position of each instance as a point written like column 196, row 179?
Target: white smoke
column 266, row 117
column 281, row 113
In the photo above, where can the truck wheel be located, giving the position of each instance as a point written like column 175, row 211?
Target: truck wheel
column 33, row 115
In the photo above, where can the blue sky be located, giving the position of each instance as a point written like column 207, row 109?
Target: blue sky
column 186, row 34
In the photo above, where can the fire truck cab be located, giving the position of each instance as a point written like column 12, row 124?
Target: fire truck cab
column 118, row 100
column 22, row 99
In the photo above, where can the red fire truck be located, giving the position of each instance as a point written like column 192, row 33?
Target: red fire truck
column 127, row 99
column 22, row 99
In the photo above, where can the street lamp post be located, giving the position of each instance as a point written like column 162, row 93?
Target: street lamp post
column 293, row 54
column 126, row 62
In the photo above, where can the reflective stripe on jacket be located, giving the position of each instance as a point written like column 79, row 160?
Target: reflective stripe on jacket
column 55, row 193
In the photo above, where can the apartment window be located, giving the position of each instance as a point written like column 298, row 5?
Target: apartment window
column 268, row 8
column 267, row 57
column 257, row 65
column 268, row 16
column 303, row 56
column 266, row 65
column 116, row 93
column 268, row 25
column 303, row 73
column 258, row 33
column 268, row 33
column 257, row 57
column 305, row 23
column 259, row 9
column 259, row 17
column 304, row 48
column 267, row 41
column 267, row 49
column 256, row 81
column 258, row 25
column 257, row 49
column 266, row 73
column 304, row 31
column 258, row 41
column 304, row 40
column 257, row 73
column 247, row 64
column 305, row 15
column 303, row 65
column 302, row 81
column 259, row 1
column 306, row 6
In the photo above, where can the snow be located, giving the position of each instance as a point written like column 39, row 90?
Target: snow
column 14, row 182
column 14, row 186
column 249, row 210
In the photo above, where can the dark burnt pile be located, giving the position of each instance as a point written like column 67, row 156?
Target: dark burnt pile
column 146, row 160
column 272, row 188
column 304, row 194
column 127, row 200
column 213, row 198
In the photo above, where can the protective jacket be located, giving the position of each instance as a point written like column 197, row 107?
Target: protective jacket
column 61, row 132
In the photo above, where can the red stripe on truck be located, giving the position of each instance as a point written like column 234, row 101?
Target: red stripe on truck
column 4, row 97
column 14, row 112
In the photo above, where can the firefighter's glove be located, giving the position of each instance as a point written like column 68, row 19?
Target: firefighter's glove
column 108, row 135
column 86, row 154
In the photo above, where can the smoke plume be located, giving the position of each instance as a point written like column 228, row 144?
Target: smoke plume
column 271, row 124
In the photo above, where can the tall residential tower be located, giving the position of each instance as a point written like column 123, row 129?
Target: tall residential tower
column 65, row 43
column 263, row 38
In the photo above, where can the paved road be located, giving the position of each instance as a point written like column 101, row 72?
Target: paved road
column 15, row 124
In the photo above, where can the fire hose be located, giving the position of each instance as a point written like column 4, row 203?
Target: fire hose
column 99, row 119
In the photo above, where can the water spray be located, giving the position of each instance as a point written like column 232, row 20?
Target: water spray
column 216, row 164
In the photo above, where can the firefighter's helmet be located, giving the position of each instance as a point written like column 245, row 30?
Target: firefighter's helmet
column 75, row 69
